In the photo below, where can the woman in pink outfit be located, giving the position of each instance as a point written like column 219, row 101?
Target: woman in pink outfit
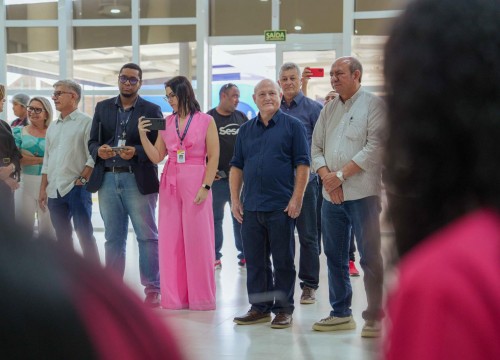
column 186, row 225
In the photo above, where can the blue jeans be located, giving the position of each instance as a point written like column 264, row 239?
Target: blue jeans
column 221, row 196
column 363, row 214
column 267, row 234
column 308, row 238
column 119, row 199
column 76, row 204
column 319, row 204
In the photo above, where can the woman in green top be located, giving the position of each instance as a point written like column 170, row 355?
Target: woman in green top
column 30, row 140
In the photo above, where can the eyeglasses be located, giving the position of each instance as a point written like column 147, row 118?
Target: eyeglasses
column 169, row 97
column 34, row 109
column 56, row 94
column 132, row 80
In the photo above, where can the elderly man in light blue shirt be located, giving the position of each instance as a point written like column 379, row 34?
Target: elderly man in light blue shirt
column 67, row 166
column 346, row 154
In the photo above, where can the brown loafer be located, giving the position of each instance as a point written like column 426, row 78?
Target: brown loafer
column 282, row 321
column 252, row 317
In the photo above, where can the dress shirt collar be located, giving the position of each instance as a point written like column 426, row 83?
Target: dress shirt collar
column 273, row 121
column 296, row 100
column 71, row 116
column 118, row 103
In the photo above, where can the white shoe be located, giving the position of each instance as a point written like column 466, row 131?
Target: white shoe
column 333, row 323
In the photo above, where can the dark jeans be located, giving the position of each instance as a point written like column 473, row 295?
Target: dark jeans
column 308, row 235
column 319, row 203
column 221, row 196
column 363, row 214
column 267, row 234
column 76, row 204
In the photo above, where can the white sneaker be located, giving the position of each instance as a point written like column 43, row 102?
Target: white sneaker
column 333, row 323
column 371, row 329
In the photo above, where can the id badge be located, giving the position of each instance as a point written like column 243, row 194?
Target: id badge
column 181, row 156
column 121, row 142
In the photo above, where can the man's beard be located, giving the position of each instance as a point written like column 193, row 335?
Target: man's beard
column 128, row 95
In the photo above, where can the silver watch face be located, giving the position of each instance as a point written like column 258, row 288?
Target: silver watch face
column 83, row 180
column 340, row 175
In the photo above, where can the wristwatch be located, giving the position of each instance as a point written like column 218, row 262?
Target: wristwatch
column 82, row 180
column 340, row 175
column 205, row 186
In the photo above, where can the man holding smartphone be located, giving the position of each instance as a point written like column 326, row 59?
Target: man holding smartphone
column 126, row 180
column 294, row 103
column 228, row 121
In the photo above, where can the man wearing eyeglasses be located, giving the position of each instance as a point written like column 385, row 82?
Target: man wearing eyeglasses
column 126, row 180
column 67, row 165
column 228, row 121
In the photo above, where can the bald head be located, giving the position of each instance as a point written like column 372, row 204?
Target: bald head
column 267, row 97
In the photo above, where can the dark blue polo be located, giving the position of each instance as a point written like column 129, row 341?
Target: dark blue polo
column 268, row 157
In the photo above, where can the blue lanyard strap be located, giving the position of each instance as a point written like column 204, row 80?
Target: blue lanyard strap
column 181, row 138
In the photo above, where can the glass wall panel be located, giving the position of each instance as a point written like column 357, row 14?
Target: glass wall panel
column 370, row 51
column 373, row 26
column 102, row 36
column 31, row 9
column 102, row 9
column 167, row 34
column 167, row 9
column 239, row 17
column 312, row 16
column 377, row 5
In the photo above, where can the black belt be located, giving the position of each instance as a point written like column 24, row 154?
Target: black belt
column 119, row 169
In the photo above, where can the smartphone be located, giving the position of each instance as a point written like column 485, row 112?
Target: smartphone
column 156, row 123
column 117, row 148
column 222, row 174
column 317, row 72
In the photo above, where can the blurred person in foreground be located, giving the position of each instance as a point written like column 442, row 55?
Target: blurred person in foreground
column 10, row 166
column 444, row 181
column 30, row 140
column 57, row 305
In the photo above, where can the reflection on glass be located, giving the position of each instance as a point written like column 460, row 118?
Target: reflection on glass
column 31, row 9
column 312, row 16
column 167, row 9
column 102, row 9
column 239, row 17
column 94, row 37
column 378, row 5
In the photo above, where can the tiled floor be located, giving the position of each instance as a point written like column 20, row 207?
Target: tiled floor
column 213, row 335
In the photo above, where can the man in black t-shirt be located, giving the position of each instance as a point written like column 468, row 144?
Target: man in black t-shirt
column 228, row 121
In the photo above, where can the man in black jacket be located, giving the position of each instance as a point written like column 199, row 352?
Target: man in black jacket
column 127, row 182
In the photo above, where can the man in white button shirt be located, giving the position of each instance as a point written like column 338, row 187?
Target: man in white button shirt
column 346, row 154
column 67, row 166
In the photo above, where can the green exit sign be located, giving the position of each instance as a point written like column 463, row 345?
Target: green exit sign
column 275, row 35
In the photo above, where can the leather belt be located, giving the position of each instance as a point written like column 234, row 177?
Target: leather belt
column 119, row 169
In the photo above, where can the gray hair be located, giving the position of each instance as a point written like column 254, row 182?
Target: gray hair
column 70, row 84
column 46, row 106
column 289, row 66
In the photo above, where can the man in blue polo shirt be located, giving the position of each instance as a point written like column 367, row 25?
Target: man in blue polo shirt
column 271, row 157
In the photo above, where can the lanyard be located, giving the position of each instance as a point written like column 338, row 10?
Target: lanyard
column 124, row 123
column 181, row 138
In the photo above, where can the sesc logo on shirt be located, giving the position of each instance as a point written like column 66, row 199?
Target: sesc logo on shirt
column 231, row 129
